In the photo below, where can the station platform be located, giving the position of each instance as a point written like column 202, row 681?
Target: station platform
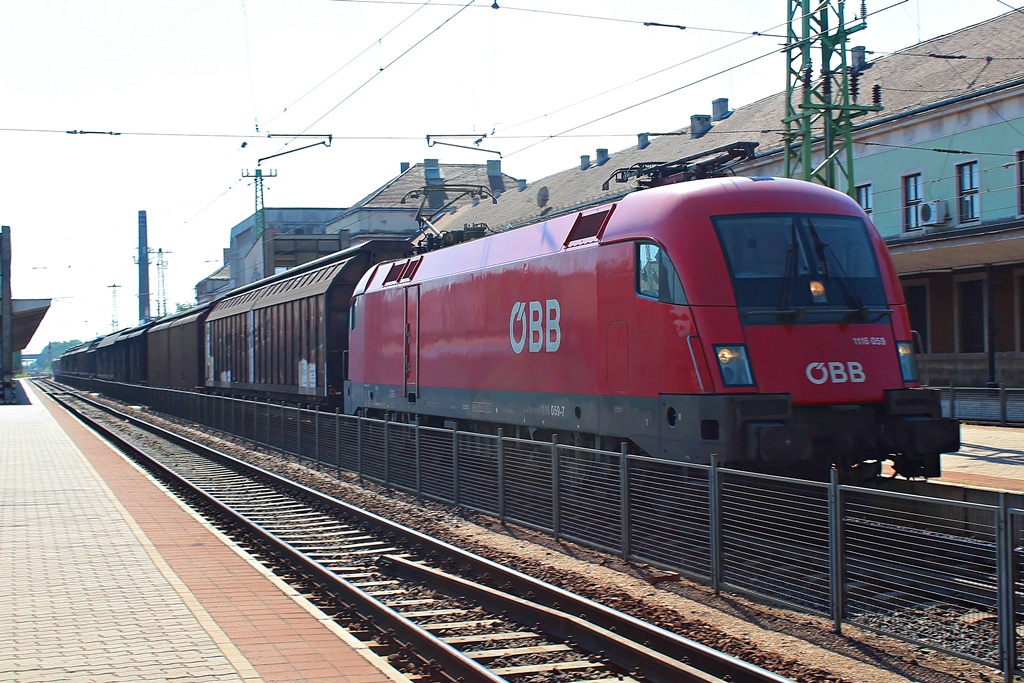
column 992, row 457
column 105, row 576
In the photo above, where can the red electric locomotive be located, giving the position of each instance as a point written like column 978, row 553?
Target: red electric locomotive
column 756, row 319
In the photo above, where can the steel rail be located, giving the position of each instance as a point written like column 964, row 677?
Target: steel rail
column 452, row 662
column 676, row 647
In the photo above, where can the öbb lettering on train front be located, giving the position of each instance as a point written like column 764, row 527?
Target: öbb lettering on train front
column 835, row 372
column 542, row 328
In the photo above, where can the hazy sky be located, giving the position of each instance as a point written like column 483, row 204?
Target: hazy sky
column 186, row 83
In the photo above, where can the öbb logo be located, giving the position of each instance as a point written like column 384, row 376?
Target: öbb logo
column 542, row 327
column 836, row 372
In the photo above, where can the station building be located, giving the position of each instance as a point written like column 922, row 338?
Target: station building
column 940, row 170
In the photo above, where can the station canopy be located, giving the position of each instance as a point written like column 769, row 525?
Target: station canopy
column 26, row 316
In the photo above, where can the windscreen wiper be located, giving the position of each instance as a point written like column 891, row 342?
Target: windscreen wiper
column 825, row 256
column 789, row 270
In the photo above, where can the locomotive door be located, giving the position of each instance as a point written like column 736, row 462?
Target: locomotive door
column 412, row 341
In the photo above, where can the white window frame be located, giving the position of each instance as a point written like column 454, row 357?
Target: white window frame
column 1018, row 194
column 905, row 202
column 869, row 195
column 974, row 192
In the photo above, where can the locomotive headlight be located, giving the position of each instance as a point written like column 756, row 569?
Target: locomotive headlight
column 734, row 365
column 908, row 363
column 818, row 291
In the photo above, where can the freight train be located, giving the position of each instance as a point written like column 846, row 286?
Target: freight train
column 759, row 321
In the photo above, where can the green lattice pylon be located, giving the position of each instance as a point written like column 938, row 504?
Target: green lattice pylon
column 819, row 107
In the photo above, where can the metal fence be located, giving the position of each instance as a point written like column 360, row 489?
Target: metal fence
column 993, row 405
column 941, row 573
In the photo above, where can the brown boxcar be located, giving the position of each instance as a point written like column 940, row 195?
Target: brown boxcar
column 286, row 335
column 175, row 350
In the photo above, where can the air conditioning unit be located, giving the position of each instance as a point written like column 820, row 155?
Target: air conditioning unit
column 931, row 213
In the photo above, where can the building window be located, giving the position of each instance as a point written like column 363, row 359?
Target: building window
column 1020, row 312
column 917, row 308
column 864, row 198
column 911, row 201
column 967, row 191
column 971, row 314
column 1020, row 182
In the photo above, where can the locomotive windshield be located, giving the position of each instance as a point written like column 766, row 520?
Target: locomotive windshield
column 799, row 264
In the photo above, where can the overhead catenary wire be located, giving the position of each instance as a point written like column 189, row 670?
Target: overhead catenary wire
column 248, row 64
column 675, row 90
column 350, row 61
column 387, row 66
column 643, row 102
column 747, row 35
column 463, row 7
column 230, row 136
column 570, row 15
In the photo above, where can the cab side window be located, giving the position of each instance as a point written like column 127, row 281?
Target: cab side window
column 656, row 277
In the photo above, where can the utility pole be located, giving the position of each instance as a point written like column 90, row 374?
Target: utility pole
column 113, row 316
column 821, row 107
column 261, row 221
column 258, row 175
column 161, row 283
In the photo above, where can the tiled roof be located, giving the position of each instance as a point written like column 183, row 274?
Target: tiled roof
column 222, row 273
column 389, row 196
column 941, row 70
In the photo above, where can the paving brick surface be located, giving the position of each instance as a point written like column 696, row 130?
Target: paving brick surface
column 988, row 456
column 104, row 576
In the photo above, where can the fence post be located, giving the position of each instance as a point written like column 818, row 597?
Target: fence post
column 556, row 502
column 419, row 460
column 298, row 430
column 952, row 400
column 1005, row 590
column 267, row 444
column 501, row 475
column 624, row 522
column 359, row 448
column 316, row 434
column 1002, row 404
column 387, row 454
column 337, row 440
column 284, row 444
column 715, row 524
column 835, row 551
column 455, row 465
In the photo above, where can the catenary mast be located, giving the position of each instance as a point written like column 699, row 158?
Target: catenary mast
column 821, row 96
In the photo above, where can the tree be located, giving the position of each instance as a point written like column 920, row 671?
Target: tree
column 52, row 350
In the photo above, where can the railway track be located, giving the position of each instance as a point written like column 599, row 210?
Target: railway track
column 435, row 611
